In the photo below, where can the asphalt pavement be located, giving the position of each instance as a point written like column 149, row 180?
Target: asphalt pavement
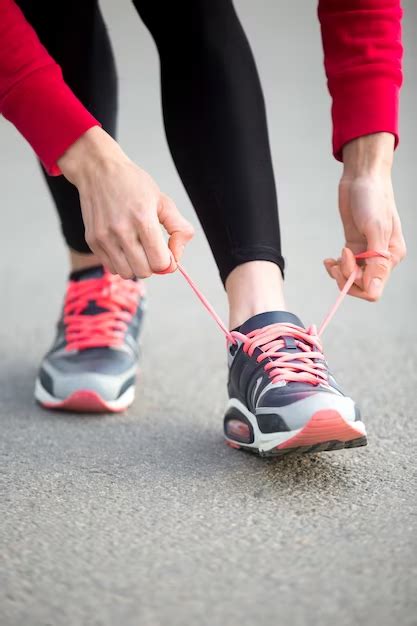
column 148, row 519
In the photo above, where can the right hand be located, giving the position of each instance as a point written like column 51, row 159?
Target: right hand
column 369, row 216
column 123, row 208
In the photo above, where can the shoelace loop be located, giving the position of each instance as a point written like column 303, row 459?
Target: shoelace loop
column 306, row 366
column 105, row 329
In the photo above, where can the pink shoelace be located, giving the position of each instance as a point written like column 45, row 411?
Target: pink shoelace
column 120, row 299
column 305, row 366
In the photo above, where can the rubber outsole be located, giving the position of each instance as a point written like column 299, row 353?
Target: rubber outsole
column 84, row 401
column 326, row 446
column 324, row 432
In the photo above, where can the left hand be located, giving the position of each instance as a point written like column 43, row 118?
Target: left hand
column 369, row 216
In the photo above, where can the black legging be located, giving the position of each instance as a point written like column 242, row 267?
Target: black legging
column 213, row 108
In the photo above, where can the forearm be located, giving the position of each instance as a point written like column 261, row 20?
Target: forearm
column 33, row 94
column 94, row 150
column 370, row 155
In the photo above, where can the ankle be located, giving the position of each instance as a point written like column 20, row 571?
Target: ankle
column 82, row 261
column 252, row 288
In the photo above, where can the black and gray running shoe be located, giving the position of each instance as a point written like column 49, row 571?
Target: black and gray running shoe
column 92, row 365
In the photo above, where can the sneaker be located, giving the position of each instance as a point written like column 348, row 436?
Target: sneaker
column 283, row 398
column 92, row 365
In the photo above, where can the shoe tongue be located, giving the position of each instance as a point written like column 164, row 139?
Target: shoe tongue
column 265, row 319
column 86, row 274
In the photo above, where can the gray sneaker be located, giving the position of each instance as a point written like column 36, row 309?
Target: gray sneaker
column 282, row 396
column 92, row 365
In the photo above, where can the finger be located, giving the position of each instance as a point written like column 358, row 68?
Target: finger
column 120, row 262
column 397, row 246
column 355, row 290
column 108, row 246
column 101, row 253
column 153, row 242
column 105, row 260
column 179, row 229
column 171, row 267
column 330, row 264
column 137, row 259
column 377, row 269
column 347, row 262
column 375, row 276
column 349, row 265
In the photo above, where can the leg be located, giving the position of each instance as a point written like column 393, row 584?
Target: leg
column 92, row 363
column 216, row 127
column 75, row 35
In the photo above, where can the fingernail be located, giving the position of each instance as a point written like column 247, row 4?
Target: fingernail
column 375, row 287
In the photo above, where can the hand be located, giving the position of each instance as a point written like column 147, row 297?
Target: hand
column 369, row 216
column 123, row 208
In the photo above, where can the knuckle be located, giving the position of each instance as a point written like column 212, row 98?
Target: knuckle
column 126, row 274
column 121, row 229
column 89, row 239
column 144, row 273
column 140, row 211
column 168, row 201
column 189, row 231
column 373, row 298
column 101, row 236
column 144, row 226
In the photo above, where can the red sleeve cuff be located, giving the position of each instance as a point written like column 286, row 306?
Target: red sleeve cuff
column 47, row 113
column 362, row 107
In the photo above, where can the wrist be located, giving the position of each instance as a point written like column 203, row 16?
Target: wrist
column 94, row 148
column 369, row 155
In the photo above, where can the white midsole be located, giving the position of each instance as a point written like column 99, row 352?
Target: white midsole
column 268, row 441
column 123, row 401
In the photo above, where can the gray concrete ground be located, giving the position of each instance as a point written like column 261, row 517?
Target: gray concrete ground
column 148, row 519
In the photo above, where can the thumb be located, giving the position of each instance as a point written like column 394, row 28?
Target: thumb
column 178, row 228
column 377, row 269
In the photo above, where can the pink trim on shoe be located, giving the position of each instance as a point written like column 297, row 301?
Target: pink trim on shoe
column 85, row 401
column 324, row 426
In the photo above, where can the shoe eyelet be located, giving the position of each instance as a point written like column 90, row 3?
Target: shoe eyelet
column 233, row 349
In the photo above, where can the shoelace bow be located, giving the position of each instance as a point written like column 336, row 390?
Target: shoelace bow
column 105, row 329
column 307, row 366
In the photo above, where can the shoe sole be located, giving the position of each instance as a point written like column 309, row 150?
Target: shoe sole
column 84, row 401
column 326, row 431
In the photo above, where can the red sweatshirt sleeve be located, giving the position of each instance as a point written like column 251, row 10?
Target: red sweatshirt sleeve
column 363, row 62
column 33, row 94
